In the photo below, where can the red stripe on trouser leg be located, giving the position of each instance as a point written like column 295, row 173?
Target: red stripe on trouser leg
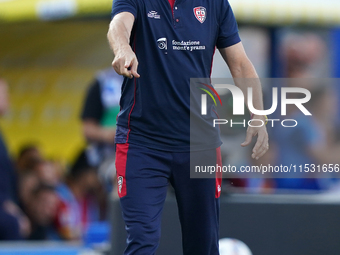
column 218, row 173
column 121, row 157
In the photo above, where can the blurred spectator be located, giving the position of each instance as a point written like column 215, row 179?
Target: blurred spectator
column 78, row 201
column 29, row 155
column 14, row 225
column 310, row 142
column 41, row 210
column 28, row 182
column 39, row 199
column 99, row 114
column 301, row 52
column 46, row 172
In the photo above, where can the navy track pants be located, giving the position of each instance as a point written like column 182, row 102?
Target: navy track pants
column 143, row 175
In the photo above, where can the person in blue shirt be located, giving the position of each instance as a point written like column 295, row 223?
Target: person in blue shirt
column 310, row 144
column 159, row 46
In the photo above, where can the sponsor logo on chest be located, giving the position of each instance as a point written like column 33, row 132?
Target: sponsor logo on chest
column 153, row 15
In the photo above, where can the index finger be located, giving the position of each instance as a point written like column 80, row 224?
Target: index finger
column 134, row 68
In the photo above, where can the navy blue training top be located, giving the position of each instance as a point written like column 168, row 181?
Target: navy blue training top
column 172, row 46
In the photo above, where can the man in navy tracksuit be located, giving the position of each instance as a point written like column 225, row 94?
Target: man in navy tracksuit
column 173, row 40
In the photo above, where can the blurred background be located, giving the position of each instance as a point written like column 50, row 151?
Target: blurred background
column 58, row 106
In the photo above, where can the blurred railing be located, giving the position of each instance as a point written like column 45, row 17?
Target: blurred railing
column 44, row 248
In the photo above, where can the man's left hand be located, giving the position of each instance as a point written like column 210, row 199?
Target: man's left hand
column 262, row 145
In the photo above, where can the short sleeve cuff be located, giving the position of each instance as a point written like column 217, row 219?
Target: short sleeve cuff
column 118, row 10
column 228, row 41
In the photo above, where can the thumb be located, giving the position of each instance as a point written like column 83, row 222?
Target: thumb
column 248, row 140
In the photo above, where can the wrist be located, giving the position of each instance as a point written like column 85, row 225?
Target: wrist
column 264, row 118
column 122, row 49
